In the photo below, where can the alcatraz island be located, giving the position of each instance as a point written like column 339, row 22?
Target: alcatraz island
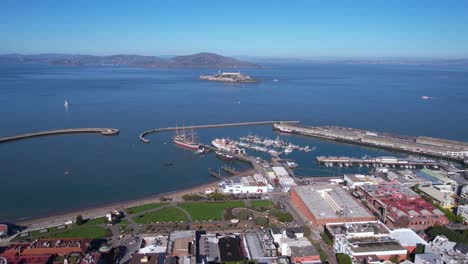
column 229, row 77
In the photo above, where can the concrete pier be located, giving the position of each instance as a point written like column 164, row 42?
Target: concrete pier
column 431, row 147
column 389, row 162
column 142, row 135
column 102, row 131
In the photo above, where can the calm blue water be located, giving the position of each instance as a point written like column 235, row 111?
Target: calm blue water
column 109, row 169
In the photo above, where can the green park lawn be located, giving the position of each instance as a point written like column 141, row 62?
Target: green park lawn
column 209, row 211
column 143, row 208
column 168, row 214
column 90, row 232
column 261, row 203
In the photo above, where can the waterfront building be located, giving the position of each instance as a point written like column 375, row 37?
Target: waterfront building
column 354, row 180
column 322, row 204
column 256, row 184
column 439, row 177
column 408, row 178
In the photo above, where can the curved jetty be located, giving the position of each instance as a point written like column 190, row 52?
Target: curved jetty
column 102, row 131
column 142, row 135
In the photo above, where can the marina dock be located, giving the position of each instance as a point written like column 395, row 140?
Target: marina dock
column 157, row 130
column 426, row 146
column 392, row 162
column 102, row 131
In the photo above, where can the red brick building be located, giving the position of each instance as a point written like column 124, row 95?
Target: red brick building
column 401, row 206
column 328, row 204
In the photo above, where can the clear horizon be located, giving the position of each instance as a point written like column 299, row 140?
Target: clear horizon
column 297, row 30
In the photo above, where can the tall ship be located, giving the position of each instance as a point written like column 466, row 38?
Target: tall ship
column 226, row 145
column 185, row 140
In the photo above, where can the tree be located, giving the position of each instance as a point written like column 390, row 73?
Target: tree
column 261, row 221
column 79, row 220
column 243, row 215
column 193, row 197
column 217, row 196
column 307, row 231
column 395, row 259
column 285, row 217
column 343, row 258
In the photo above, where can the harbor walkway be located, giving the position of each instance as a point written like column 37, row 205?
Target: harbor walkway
column 145, row 140
column 102, row 131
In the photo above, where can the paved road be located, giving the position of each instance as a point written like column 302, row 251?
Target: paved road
column 300, row 219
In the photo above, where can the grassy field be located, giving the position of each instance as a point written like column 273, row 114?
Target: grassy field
column 209, row 211
column 90, row 232
column 95, row 221
column 88, row 229
column 145, row 207
column 168, row 214
column 261, row 203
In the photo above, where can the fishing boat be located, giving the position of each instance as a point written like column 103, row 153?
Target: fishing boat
column 226, row 145
column 224, row 156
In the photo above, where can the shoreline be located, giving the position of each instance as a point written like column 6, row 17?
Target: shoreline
column 60, row 218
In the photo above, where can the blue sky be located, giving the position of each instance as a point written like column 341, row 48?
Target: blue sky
column 312, row 29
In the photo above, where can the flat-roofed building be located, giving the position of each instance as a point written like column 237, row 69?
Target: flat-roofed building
column 384, row 248
column 357, row 229
column 181, row 244
column 444, row 199
column 322, row 204
column 353, row 180
column 407, row 238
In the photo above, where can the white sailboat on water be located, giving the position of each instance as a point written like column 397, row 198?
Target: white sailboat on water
column 65, row 104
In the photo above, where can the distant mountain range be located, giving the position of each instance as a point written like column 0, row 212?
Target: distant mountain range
column 199, row 60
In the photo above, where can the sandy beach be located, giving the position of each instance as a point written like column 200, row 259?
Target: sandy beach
column 60, row 218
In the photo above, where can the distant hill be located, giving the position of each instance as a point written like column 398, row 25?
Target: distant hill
column 200, row 60
column 208, row 60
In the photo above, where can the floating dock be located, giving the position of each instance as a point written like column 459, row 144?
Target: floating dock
column 389, row 162
column 143, row 139
column 427, row 146
column 102, row 131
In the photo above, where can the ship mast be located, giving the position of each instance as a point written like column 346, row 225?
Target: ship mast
column 183, row 130
column 193, row 141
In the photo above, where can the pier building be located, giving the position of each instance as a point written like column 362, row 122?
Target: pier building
column 434, row 147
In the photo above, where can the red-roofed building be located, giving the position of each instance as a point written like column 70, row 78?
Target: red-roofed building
column 36, row 259
column 401, row 206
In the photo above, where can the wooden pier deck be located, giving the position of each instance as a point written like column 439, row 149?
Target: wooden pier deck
column 102, row 131
column 156, row 130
